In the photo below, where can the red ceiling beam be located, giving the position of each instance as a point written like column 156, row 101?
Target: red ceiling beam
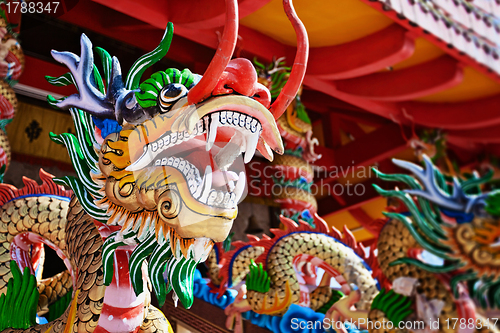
column 376, row 146
column 364, row 219
column 95, row 17
column 34, row 76
column 329, row 204
column 363, row 56
column 388, row 110
column 193, row 14
column 483, row 135
column 352, row 128
column 201, row 26
column 459, row 116
column 408, row 83
column 331, row 130
column 355, row 197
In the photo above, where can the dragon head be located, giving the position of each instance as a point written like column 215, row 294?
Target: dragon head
column 168, row 169
column 451, row 219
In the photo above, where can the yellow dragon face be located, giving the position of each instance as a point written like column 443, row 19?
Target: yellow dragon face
column 177, row 167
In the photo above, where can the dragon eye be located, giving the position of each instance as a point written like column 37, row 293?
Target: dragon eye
column 171, row 94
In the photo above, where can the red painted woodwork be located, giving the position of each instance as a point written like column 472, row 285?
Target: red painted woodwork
column 378, row 145
column 364, row 219
column 406, row 84
column 366, row 55
column 34, row 76
column 463, row 115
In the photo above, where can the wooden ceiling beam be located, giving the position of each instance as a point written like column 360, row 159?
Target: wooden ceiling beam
column 363, row 56
column 406, row 84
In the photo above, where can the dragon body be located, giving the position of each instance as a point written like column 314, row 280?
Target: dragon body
column 282, row 270
column 435, row 259
column 155, row 186
column 293, row 170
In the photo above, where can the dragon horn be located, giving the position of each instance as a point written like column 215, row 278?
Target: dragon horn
column 222, row 57
column 291, row 88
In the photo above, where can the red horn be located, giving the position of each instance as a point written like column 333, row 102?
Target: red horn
column 291, row 88
column 222, row 57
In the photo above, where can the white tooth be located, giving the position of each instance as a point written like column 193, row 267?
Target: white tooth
column 229, row 116
column 211, row 198
column 160, row 144
column 180, row 136
column 174, row 137
column 253, row 126
column 207, row 184
column 269, row 151
column 213, row 131
column 230, row 184
column 242, row 120
column 236, row 118
column 223, row 117
column 187, row 168
column 154, row 147
column 166, row 141
column 164, row 161
column 232, row 202
column 158, row 162
column 240, row 186
column 200, row 187
column 143, row 161
column 186, row 135
column 182, row 165
column 220, row 197
column 199, row 126
column 248, row 122
column 252, row 141
column 170, row 161
column 227, row 197
column 176, row 162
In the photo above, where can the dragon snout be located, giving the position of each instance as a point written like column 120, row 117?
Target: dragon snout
column 240, row 77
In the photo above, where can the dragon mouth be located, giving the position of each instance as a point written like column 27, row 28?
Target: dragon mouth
column 204, row 153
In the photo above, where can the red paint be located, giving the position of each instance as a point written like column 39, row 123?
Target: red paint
column 240, row 76
column 222, row 57
column 366, row 55
column 408, row 83
column 289, row 91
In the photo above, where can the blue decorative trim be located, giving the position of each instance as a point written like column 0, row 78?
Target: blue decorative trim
column 41, row 195
column 288, row 323
column 460, row 217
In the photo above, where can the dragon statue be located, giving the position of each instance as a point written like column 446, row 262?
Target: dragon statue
column 293, row 170
column 11, row 67
column 432, row 268
column 154, row 189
